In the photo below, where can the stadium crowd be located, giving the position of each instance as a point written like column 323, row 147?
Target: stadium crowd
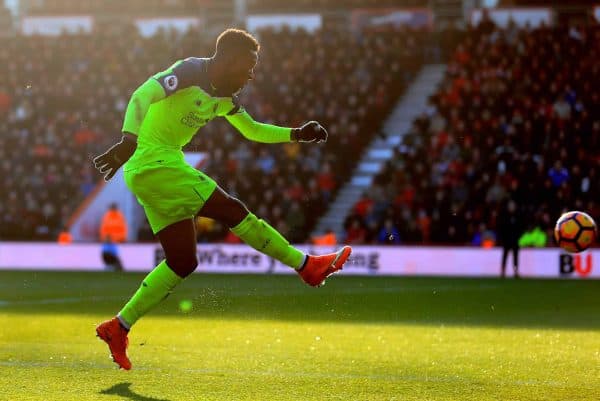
column 188, row 7
column 516, row 117
column 62, row 102
column 311, row 5
column 130, row 7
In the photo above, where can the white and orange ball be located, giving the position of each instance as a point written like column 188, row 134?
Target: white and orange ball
column 575, row 231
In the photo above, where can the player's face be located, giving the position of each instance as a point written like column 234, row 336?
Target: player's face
column 242, row 72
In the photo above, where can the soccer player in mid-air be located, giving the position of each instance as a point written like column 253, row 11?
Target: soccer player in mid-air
column 163, row 115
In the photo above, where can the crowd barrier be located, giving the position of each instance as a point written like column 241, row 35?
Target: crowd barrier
column 365, row 260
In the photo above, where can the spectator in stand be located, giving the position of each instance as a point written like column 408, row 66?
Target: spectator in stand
column 424, row 223
column 356, row 232
column 5, row 102
column 65, row 237
column 327, row 239
column 326, row 181
column 484, row 237
column 362, row 207
column 389, row 233
column 558, row 174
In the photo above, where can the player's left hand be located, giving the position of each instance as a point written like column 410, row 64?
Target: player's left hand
column 109, row 162
column 310, row 132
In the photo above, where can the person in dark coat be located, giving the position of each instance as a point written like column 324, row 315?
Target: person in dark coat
column 510, row 229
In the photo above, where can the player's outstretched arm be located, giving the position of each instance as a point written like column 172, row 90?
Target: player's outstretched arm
column 266, row 133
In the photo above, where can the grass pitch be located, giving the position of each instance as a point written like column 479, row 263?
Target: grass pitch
column 272, row 338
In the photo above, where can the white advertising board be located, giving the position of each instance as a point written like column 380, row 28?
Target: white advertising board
column 522, row 17
column 365, row 260
column 308, row 22
column 148, row 27
column 56, row 25
column 416, row 18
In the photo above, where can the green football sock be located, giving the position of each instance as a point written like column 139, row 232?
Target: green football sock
column 156, row 286
column 264, row 238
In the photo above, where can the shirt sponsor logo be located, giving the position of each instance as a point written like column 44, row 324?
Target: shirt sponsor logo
column 193, row 120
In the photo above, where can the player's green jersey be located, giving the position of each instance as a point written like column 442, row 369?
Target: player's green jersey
column 170, row 107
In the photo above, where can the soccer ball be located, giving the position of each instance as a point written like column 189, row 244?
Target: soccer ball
column 575, row 231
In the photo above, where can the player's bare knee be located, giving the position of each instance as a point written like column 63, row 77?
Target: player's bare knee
column 183, row 266
column 236, row 213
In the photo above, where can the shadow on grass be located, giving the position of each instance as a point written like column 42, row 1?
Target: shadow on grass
column 123, row 390
column 486, row 302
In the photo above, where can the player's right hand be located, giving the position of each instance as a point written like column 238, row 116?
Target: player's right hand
column 309, row 132
column 109, row 162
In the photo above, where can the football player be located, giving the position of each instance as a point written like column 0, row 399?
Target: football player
column 163, row 115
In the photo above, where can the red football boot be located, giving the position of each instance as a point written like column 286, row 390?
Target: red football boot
column 318, row 268
column 115, row 335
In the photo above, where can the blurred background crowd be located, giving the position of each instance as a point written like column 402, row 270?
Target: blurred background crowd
column 62, row 102
column 516, row 117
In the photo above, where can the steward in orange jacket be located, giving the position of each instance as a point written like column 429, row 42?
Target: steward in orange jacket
column 113, row 227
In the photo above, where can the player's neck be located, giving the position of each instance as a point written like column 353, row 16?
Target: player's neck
column 212, row 73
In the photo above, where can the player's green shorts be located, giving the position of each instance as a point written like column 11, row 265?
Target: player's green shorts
column 169, row 191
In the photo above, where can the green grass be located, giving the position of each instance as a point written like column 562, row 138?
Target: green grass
column 271, row 338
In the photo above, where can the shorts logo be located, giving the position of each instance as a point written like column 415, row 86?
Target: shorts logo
column 170, row 82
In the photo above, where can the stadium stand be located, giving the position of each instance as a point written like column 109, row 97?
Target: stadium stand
column 138, row 8
column 6, row 21
column 516, row 118
column 63, row 98
column 189, row 7
column 324, row 5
